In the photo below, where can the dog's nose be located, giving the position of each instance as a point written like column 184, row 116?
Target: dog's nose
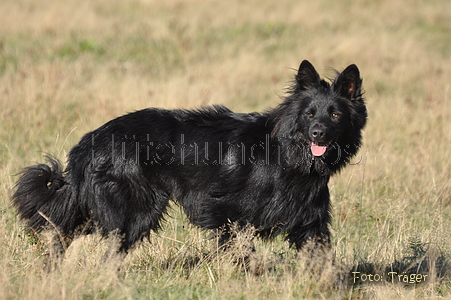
column 318, row 133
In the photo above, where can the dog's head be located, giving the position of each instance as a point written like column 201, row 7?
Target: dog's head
column 321, row 115
column 326, row 111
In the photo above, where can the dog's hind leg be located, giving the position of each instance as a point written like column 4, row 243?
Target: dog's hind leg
column 126, row 210
column 124, row 238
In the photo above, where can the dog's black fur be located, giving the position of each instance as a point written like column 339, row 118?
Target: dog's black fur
column 269, row 170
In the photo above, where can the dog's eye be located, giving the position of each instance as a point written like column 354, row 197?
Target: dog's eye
column 334, row 115
column 309, row 114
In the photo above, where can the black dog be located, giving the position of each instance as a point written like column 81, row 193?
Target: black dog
column 269, row 170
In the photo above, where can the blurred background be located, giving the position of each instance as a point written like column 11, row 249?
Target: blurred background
column 67, row 67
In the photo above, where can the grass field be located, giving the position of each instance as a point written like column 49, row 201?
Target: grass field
column 66, row 67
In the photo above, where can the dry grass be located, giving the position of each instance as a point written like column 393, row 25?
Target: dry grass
column 68, row 67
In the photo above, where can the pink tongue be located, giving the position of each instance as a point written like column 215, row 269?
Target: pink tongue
column 318, row 150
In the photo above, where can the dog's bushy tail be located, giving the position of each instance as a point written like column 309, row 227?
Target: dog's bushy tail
column 44, row 199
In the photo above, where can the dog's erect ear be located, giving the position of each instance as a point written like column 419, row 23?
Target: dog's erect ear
column 307, row 76
column 348, row 83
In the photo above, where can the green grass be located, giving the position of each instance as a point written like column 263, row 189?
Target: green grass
column 68, row 67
